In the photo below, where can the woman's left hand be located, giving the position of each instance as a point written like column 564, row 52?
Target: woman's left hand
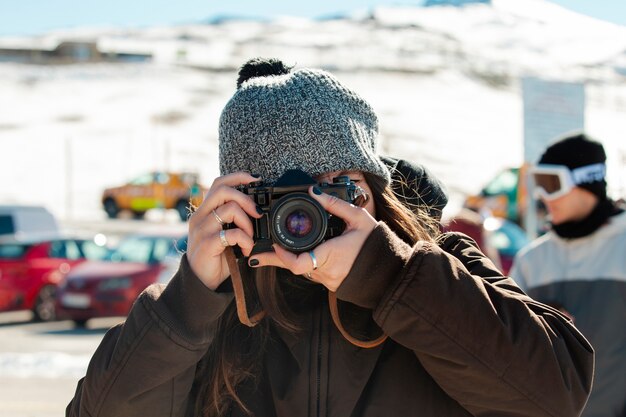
column 336, row 256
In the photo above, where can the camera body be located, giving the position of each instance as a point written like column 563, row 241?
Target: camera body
column 292, row 218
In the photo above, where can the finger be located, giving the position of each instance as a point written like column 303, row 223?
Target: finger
column 336, row 206
column 224, row 194
column 231, row 180
column 231, row 212
column 233, row 237
column 266, row 259
column 234, row 179
column 296, row 263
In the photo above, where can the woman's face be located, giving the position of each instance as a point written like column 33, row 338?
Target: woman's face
column 359, row 179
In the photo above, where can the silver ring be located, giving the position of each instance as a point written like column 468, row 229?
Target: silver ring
column 308, row 276
column 314, row 259
column 218, row 218
column 223, row 240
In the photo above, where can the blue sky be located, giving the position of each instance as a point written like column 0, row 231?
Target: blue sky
column 26, row 17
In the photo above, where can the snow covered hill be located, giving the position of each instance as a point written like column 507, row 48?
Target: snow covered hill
column 444, row 80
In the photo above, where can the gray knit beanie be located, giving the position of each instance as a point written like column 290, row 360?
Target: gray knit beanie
column 279, row 119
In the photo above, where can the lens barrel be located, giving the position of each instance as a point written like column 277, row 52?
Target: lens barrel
column 298, row 222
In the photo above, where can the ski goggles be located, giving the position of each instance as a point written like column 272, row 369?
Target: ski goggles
column 554, row 181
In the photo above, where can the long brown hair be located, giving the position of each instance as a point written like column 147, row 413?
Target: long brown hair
column 237, row 351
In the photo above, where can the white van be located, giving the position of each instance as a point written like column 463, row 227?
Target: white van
column 27, row 223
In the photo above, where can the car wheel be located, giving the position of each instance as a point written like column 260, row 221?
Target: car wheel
column 139, row 215
column 111, row 208
column 80, row 323
column 183, row 209
column 44, row 308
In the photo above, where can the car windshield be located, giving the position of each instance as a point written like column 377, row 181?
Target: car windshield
column 13, row 251
column 92, row 250
column 146, row 249
column 143, row 180
column 133, row 249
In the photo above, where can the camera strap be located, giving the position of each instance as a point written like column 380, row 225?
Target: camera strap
column 244, row 317
column 240, row 295
column 334, row 312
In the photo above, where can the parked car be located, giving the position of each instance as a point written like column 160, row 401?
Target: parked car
column 500, row 239
column 31, row 270
column 503, row 196
column 164, row 190
column 109, row 287
column 19, row 222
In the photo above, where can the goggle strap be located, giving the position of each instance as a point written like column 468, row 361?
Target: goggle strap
column 589, row 173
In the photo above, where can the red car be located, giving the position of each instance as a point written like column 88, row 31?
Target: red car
column 31, row 270
column 109, row 287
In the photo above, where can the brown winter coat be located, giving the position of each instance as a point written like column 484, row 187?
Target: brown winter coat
column 463, row 340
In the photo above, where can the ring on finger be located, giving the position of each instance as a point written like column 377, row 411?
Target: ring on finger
column 223, row 240
column 308, row 276
column 218, row 218
column 314, row 259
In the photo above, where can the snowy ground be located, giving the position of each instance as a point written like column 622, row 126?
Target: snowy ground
column 68, row 132
column 445, row 82
column 41, row 363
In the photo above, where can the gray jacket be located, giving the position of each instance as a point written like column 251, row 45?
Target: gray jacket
column 587, row 277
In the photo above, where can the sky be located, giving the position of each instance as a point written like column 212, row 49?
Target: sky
column 31, row 17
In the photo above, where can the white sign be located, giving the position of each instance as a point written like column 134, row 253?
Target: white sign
column 551, row 109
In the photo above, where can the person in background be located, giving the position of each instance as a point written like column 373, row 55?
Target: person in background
column 390, row 318
column 579, row 266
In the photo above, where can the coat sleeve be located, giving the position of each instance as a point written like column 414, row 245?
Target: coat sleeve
column 488, row 345
column 146, row 366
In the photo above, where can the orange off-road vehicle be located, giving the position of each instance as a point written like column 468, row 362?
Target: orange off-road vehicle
column 164, row 190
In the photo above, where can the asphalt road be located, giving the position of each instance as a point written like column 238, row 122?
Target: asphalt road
column 40, row 363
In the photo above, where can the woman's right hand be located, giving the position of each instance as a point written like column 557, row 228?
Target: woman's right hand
column 205, row 251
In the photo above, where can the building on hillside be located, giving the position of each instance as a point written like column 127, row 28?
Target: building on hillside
column 65, row 52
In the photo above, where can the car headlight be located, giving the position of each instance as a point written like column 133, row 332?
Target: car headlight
column 112, row 284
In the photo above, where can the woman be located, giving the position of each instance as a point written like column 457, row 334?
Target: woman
column 461, row 339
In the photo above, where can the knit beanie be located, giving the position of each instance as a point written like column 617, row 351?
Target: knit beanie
column 577, row 151
column 281, row 119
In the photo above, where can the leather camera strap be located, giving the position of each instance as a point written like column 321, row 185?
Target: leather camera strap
column 334, row 312
column 240, row 295
column 244, row 317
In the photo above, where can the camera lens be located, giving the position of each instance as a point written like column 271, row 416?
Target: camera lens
column 298, row 222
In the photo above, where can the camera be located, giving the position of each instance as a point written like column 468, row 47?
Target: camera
column 292, row 218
